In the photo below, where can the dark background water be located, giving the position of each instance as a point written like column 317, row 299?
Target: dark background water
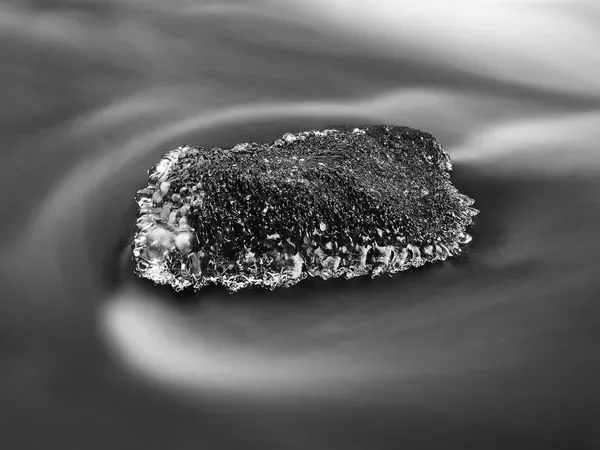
column 497, row 351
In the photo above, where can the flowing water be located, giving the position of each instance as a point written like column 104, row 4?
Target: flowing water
column 495, row 351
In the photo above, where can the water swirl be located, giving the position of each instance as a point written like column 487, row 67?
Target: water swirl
column 92, row 98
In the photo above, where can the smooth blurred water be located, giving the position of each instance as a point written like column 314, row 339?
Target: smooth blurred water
column 495, row 352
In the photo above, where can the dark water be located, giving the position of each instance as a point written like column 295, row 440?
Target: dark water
column 500, row 351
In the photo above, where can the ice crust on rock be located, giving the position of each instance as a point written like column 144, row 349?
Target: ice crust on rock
column 345, row 201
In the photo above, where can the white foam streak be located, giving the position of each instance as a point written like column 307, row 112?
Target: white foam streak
column 533, row 44
column 169, row 349
column 564, row 145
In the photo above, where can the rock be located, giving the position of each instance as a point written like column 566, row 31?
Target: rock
column 345, row 201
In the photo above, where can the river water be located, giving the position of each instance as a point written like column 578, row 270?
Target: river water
column 497, row 350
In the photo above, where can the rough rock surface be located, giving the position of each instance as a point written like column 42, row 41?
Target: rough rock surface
column 347, row 201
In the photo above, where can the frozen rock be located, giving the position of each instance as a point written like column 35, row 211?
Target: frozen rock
column 345, row 201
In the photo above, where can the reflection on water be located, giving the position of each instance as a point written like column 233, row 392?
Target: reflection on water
column 494, row 351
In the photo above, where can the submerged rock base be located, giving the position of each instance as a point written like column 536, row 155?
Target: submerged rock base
column 346, row 201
